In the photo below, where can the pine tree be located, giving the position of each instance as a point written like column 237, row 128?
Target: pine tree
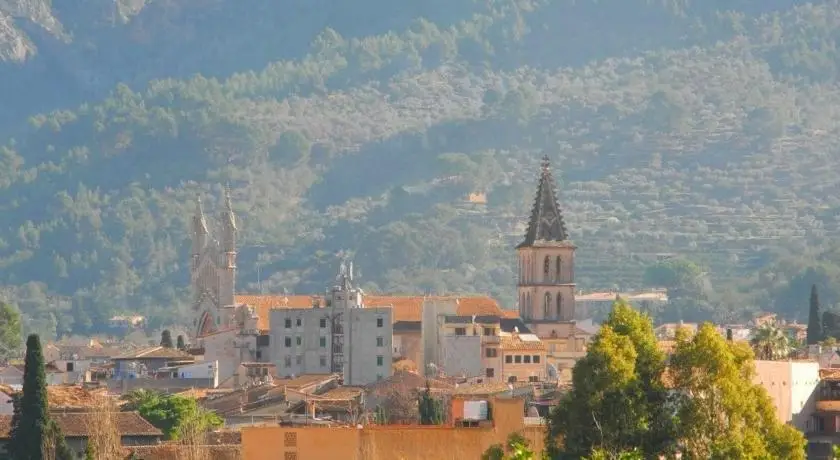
column 180, row 343
column 815, row 332
column 166, row 339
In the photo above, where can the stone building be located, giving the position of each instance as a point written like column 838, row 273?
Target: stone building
column 342, row 336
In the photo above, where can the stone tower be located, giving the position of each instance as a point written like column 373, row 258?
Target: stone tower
column 546, row 283
column 213, row 270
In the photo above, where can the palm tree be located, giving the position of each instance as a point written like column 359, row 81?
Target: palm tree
column 770, row 343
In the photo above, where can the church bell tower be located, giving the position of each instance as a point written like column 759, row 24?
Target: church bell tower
column 546, row 283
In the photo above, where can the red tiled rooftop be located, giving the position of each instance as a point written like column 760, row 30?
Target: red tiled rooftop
column 405, row 308
column 78, row 424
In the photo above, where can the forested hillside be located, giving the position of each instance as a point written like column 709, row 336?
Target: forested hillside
column 702, row 130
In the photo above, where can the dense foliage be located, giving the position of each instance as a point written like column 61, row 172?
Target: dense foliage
column 626, row 403
column 704, row 130
column 172, row 414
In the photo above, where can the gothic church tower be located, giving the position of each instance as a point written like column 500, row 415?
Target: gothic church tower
column 213, row 270
column 546, row 284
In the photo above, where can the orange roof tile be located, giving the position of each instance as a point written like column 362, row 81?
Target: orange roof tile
column 830, row 374
column 405, row 308
column 515, row 343
column 828, row 406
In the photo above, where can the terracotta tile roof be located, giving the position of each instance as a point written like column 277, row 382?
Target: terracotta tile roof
column 50, row 368
column 304, row 380
column 511, row 343
column 156, row 353
column 513, row 314
column 406, row 308
column 75, row 424
column 490, row 388
column 405, row 381
column 340, row 394
column 830, row 375
column 828, row 406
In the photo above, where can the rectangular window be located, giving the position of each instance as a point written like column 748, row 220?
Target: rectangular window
column 527, row 359
column 322, row 342
column 517, row 359
column 380, row 360
column 490, row 372
column 298, row 359
column 380, row 341
column 508, row 359
column 380, row 322
column 322, row 361
column 491, row 352
column 298, row 322
column 288, row 323
column 287, row 341
column 287, row 361
column 536, row 359
column 460, row 331
column 533, row 379
column 298, row 340
column 489, row 331
column 323, row 323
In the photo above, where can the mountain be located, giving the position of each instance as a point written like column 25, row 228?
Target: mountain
column 705, row 131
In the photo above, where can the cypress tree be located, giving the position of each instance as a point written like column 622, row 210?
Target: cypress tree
column 32, row 428
column 166, row 339
column 815, row 333
column 180, row 343
column 429, row 408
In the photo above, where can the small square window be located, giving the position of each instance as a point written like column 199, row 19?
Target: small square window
column 490, row 372
column 508, row 359
column 380, row 360
column 526, row 359
column 460, row 331
column 491, row 352
column 517, row 359
column 536, row 359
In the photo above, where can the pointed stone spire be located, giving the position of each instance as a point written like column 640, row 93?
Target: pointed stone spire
column 546, row 222
column 227, row 214
column 199, row 222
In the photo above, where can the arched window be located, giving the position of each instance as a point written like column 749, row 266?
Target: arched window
column 559, row 272
column 547, row 306
column 560, row 306
column 547, row 267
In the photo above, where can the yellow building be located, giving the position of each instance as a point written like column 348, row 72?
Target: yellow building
column 394, row 442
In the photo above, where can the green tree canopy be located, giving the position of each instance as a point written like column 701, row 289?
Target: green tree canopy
column 733, row 418
column 170, row 413
column 10, row 331
column 166, row 339
column 618, row 401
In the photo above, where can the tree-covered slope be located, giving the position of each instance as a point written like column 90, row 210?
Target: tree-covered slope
column 701, row 129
